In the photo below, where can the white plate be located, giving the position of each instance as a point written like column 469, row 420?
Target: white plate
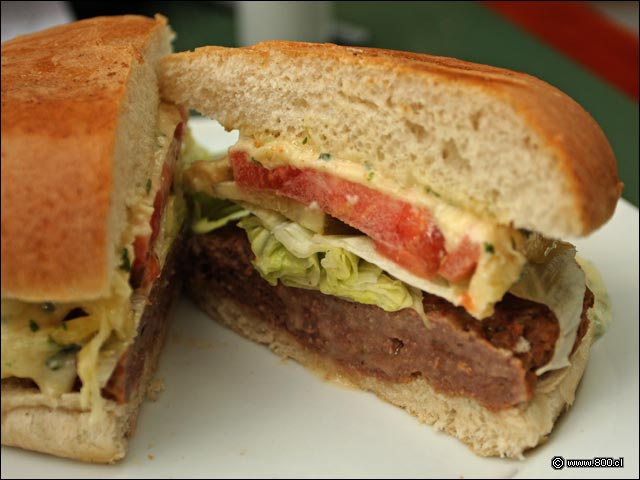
column 233, row 409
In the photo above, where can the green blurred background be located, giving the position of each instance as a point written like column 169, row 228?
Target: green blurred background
column 466, row 30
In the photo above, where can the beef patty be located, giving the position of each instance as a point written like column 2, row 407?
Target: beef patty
column 492, row 361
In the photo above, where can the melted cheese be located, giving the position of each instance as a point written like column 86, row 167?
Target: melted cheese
column 457, row 221
column 36, row 344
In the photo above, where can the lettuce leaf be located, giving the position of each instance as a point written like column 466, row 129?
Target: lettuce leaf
column 300, row 260
column 274, row 262
column 600, row 314
column 302, row 242
column 348, row 276
column 552, row 277
column 211, row 213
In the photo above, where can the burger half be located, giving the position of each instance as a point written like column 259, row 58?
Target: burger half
column 394, row 220
column 90, row 227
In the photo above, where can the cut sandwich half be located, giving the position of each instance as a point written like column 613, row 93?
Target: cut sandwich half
column 90, row 227
column 394, row 220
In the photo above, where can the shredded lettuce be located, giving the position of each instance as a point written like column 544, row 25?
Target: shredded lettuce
column 211, row 213
column 303, row 242
column 351, row 277
column 274, row 262
column 296, row 258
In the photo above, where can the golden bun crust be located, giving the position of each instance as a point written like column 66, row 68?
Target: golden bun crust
column 581, row 148
column 63, row 92
column 502, row 144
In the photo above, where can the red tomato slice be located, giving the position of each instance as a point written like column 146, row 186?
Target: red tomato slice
column 404, row 233
column 146, row 267
column 179, row 132
column 158, row 206
column 115, row 389
column 461, row 262
column 141, row 250
column 151, row 271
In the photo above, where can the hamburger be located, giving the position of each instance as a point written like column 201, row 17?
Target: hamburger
column 91, row 221
column 394, row 221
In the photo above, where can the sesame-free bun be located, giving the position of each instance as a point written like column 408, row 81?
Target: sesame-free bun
column 504, row 145
column 79, row 108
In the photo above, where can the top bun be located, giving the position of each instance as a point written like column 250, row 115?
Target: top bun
column 79, row 108
column 504, row 145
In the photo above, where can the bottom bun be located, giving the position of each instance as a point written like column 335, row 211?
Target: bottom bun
column 60, row 426
column 504, row 433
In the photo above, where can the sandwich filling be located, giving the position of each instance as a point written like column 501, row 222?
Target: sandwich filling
column 316, row 222
column 492, row 362
column 65, row 346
